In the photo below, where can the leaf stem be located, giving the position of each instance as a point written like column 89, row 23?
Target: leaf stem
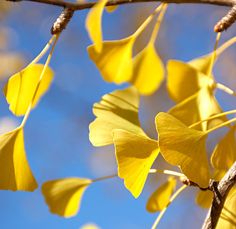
column 176, row 194
column 225, row 89
column 213, row 117
column 45, row 49
column 165, row 171
column 104, row 178
column 158, row 24
column 226, row 45
column 146, row 22
column 221, row 125
column 213, row 56
column 40, row 79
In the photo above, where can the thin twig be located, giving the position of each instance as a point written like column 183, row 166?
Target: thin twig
column 87, row 5
column 222, row 25
column 220, row 191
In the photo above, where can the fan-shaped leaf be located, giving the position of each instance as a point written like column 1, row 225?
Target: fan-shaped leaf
column 115, row 60
column 202, row 64
column 148, row 71
column 20, row 88
column 63, row 196
column 224, row 154
column 183, row 80
column 117, row 110
column 15, row 171
column 184, row 147
column 204, row 198
column 135, row 155
column 161, row 197
column 197, row 107
column 94, row 24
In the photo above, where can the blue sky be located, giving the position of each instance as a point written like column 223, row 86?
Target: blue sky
column 56, row 134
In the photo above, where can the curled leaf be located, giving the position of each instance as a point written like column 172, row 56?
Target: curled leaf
column 21, row 87
column 94, row 24
column 117, row 110
column 63, row 196
column 224, row 154
column 148, row 71
column 135, row 155
column 161, row 197
column 15, row 171
column 184, row 147
column 115, row 60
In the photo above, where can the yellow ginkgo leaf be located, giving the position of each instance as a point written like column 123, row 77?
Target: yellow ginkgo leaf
column 202, row 64
column 21, row 87
column 111, row 9
column 204, row 198
column 135, row 155
column 197, row 107
column 148, row 71
column 183, row 80
column 227, row 218
column 115, row 60
column 224, row 154
column 161, row 197
column 117, row 110
column 15, row 171
column 94, row 24
column 184, row 147
column 63, row 196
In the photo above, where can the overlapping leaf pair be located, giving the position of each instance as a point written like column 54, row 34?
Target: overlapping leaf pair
column 22, row 91
column 114, row 58
column 117, row 123
column 192, row 86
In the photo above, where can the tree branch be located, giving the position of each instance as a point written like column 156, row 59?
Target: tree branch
column 222, row 25
column 220, row 191
column 87, row 5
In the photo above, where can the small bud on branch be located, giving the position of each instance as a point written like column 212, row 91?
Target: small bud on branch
column 62, row 21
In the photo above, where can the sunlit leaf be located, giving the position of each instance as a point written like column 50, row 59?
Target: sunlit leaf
column 184, row 147
column 20, row 88
column 15, row 171
column 204, row 198
column 135, row 155
column 115, row 60
column 227, row 218
column 148, row 71
column 224, row 154
column 202, row 63
column 117, row 110
column 199, row 106
column 161, row 197
column 183, row 80
column 94, row 24
column 63, row 196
